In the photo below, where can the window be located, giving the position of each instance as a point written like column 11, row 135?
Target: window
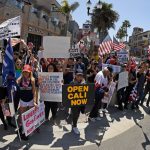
column 20, row 5
column 34, row 10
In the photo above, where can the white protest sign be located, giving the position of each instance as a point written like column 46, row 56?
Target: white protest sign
column 116, row 69
column 10, row 28
column 123, row 57
column 51, row 86
column 56, row 46
column 112, row 87
column 33, row 118
column 123, row 80
column 74, row 52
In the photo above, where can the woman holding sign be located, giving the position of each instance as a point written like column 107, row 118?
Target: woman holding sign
column 51, row 105
column 28, row 98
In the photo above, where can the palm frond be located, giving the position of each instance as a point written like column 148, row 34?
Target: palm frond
column 74, row 6
column 64, row 3
column 65, row 8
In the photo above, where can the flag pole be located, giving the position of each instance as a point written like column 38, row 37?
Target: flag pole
column 12, row 91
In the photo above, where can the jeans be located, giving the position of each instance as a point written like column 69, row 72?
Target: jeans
column 121, row 97
column 140, row 96
column 146, row 91
column 53, row 106
column 75, row 111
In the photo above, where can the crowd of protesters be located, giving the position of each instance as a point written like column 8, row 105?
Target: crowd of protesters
column 80, row 70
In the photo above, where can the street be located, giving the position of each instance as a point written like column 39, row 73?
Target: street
column 121, row 130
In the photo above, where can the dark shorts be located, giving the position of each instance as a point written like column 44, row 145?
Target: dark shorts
column 3, row 92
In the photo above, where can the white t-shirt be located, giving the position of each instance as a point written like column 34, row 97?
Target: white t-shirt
column 100, row 79
column 40, row 55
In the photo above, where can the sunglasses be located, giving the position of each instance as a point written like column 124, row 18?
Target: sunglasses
column 19, row 64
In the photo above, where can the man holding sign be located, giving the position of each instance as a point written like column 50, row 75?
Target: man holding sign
column 77, row 97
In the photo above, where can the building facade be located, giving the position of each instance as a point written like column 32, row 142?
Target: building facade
column 139, row 41
column 39, row 18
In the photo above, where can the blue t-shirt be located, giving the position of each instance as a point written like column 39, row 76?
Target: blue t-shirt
column 18, row 73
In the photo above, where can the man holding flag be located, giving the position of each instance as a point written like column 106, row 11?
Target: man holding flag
column 8, row 76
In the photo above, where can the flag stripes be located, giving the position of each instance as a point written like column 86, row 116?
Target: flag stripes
column 117, row 45
column 105, row 46
column 8, row 62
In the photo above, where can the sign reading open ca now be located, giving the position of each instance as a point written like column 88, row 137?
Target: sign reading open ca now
column 78, row 95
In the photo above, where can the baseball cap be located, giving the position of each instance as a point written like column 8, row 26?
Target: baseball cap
column 27, row 68
column 79, row 72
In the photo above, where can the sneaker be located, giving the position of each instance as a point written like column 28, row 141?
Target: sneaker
column 76, row 130
column 105, row 111
column 98, row 118
column 92, row 119
column 101, row 110
column 24, row 138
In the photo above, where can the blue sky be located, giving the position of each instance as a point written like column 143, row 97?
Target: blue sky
column 136, row 11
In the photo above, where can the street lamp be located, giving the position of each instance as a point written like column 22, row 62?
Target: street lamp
column 88, row 4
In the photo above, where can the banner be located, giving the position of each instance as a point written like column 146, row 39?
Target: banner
column 56, row 46
column 33, row 118
column 123, row 80
column 51, row 86
column 10, row 28
column 116, row 69
column 123, row 57
column 78, row 95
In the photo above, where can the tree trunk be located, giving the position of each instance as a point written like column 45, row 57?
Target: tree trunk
column 67, row 23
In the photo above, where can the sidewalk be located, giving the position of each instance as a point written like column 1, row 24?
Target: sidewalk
column 60, row 136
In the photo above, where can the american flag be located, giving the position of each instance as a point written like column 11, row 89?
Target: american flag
column 105, row 46
column 117, row 45
column 133, row 96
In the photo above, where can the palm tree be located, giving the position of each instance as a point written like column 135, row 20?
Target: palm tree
column 103, row 19
column 67, row 9
column 121, row 33
column 126, row 25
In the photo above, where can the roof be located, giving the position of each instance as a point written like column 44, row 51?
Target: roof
column 44, row 4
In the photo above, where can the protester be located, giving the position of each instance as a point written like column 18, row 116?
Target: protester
column 53, row 106
column 92, row 71
column 79, row 64
column 68, row 70
column 147, row 88
column 28, row 97
column 101, row 83
column 106, row 99
column 140, row 84
column 132, row 82
column 40, row 53
column 3, row 93
column 121, row 92
column 75, row 111
column 18, row 71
